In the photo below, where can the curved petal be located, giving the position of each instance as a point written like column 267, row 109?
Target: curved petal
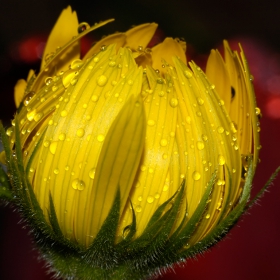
column 140, row 35
column 63, row 31
column 166, row 50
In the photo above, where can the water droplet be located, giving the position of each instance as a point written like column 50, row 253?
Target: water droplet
column 140, row 198
column 188, row 120
column 198, row 113
column 31, row 170
column 62, row 136
column 92, row 173
column 151, row 122
column 173, row 102
column 207, row 216
column 76, row 64
column 73, row 82
column 10, row 131
column 164, row 156
column 94, row 98
column 233, row 127
column 100, row 138
column 233, row 170
column 67, row 167
column 28, row 98
column 200, row 101
column 196, row 175
column 220, row 129
column 54, row 88
column 38, row 116
column 102, row 80
column 150, row 199
column 30, row 115
column 80, row 132
column 143, row 168
column 78, row 184
column 200, row 145
column 221, row 160
column 46, row 144
column 188, row 74
column 165, row 188
column 112, row 63
column 204, row 137
column 103, row 48
column 157, row 195
column 130, row 82
column 83, row 26
column 151, row 170
column 160, row 81
column 63, row 113
column 212, row 86
column 53, row 147
column 163, row 142
column 138, row 208
column 56, row 171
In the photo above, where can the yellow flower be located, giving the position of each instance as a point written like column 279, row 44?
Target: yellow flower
column 138, row 119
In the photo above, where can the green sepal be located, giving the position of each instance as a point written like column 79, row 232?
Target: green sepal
column 5, row 188
column 149, row 248
column 183, row 237
column 221, row 229
column 18, row 147
column 127, row 237
column 102, row 252
column 263, row 190
column 5, row 142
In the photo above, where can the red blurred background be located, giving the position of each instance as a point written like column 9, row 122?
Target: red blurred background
column 251, row 250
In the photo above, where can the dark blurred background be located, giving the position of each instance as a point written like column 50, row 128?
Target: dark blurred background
column 251, row 251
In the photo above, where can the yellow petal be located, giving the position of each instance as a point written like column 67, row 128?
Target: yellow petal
column 217, row 74
column 140, row 35
column 64, row 30
column 19, row 91
column 118, row 163
column 117, row 39
column 149, row 191
column 166, row 50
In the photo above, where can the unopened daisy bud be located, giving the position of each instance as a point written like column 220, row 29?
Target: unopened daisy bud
column 130, row 159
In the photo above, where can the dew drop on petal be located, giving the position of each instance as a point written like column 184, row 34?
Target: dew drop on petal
column 188, row 74
column 140, row 198
column 63, row 113
column 48, row 80
column 61, row 136
column 200, row 145
column 83, row 26
column 138, row 208
column 100, row 138
column 173, row 102
column 163, row 142
column 38, row 116
column 102, row 80
column 151, row 122
column 207, row 216
column 220, row 129
column 30, row 115
column 200, row 101
column 92, row 173
column 53, row 147
column 10, row 131
column 80, row 132
column 28, row 98
column 196, row 175
column 56, row 171
column 221, row 160
column 78, row 184
column 150, row 199
column 46, row 144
